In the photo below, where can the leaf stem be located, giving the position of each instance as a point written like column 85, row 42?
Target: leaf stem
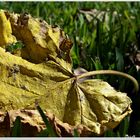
column 112, row 72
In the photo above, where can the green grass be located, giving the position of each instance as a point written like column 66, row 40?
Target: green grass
column 98, row 43
column 17, row 128
column 50, row 131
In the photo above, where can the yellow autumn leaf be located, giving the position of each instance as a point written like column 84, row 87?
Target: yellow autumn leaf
column 43, row 73
column 5, row 30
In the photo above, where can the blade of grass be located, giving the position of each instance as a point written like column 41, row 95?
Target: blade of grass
column 119, row 59
column 98, row 38
column 117, row 134
column 123, row 128
column 16, row 130
column 47, row 123
column 43, row 133
column 109, row 133
column 76, row 134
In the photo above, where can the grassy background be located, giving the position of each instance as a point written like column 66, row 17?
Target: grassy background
column 108, row 38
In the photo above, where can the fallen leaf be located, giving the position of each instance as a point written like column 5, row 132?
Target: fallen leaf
column 6, row 36
column 43, row 73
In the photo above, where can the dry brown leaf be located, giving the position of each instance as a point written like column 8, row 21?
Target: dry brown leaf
column 32, row 124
